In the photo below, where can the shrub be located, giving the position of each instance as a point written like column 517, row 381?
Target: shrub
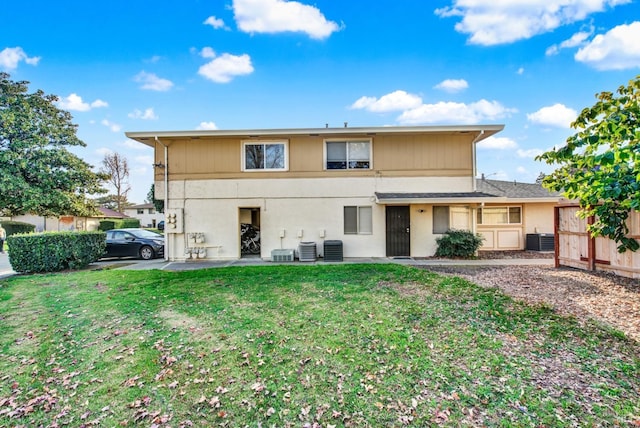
column 55, row 251
column 14, row 227
column 117, row 223
column 458, row 244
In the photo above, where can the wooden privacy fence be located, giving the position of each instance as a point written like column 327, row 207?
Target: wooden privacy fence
column 576, row 248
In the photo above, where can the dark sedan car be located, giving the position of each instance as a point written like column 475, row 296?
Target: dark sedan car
column 140, row 243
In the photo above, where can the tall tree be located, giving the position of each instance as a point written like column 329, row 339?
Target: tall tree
column 116, row 167
column 600, row 165
column 158, row 204
column 38, row 174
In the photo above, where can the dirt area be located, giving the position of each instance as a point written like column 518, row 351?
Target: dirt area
column 607, row 298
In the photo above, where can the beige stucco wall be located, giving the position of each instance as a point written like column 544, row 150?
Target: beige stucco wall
column 536, row 218
column 302, row 210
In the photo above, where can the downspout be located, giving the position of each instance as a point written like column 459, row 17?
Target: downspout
column 166, row 194
column 474, row 187
column 473, row 159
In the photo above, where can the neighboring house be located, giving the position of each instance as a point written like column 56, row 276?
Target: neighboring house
column 527, row 209
column 65, row 223
column 382, row 191
column 146, row 213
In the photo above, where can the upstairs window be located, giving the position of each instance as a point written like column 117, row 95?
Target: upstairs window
column 348, row 154
column 140, row 210
column 264, row 156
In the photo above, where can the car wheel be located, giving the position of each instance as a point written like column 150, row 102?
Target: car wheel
column 146, row 253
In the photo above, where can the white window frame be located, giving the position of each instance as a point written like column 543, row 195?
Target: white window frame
column 480, row 215
column 347, row 141
column 284, row 143
column 359, row 225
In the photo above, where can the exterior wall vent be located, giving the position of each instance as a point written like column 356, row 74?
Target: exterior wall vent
column 282, row 255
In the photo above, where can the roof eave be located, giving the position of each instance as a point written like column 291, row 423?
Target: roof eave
column 484, row 131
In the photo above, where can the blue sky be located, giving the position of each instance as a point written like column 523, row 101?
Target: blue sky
column 165, row 66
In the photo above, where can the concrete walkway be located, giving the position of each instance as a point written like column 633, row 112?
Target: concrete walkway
column 161, row 264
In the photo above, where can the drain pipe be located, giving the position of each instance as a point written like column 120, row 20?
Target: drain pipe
column 473, row 158
column 166, row 195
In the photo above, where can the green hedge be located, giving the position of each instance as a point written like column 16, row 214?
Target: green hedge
column 458, row 244
column 55, row 251
column 14, row 227
column 117, row 223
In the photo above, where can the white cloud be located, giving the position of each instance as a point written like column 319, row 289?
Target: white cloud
column 492, row 22
column 152, row 82
column 497, row 143
column 452, row 85
column 216, row 23
column 114, row 127
column 530, row 153
column 450, row 112
column 207, row 52
column 207, row 126
column 394, row 101
column 577, row 39
column 276, row 16
column 103, row 151
column 520, row 71
column 74, row 103
column 11, row 57
column 225, row 67
column 147, row 114
column 618, row 49
column 557, row 115
column 131, row 144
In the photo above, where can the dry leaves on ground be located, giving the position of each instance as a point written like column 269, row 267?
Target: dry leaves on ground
column 607, row 298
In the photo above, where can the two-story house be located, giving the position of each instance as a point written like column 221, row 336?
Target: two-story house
column 382, row 191
column 146, row 213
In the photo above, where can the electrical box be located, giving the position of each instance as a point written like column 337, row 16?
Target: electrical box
column 282, row 233
column 300, row 233
column 173, row 220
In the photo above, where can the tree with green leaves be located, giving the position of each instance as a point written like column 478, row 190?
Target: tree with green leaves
column 158, row 204
column 38, row 173
column 599, row 166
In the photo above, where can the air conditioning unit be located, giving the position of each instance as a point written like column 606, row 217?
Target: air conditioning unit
column 282, row 255
column 307, row 252
column 540, row 241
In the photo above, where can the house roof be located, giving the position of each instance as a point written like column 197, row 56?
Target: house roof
column 482, row 131
column 491, row 191
column 106, row 212
column 140, row 206
column 430, row 198
column 516, row 190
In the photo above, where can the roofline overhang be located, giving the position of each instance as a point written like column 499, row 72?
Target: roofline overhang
column 443, row 200
column 482, row 131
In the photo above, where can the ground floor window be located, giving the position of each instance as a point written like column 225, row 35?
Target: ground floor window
column 358, row 220
column 499, row 215
column 440, row 219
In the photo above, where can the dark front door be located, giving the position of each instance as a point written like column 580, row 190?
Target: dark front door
column 398, row 232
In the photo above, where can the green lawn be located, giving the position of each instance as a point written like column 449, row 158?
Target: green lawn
column 333, row 345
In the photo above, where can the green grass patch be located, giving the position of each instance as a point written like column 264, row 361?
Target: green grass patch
column 335, row 345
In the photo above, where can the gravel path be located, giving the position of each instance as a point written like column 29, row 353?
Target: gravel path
column 609, row 299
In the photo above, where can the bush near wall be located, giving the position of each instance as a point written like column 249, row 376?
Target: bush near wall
column 458, row 244
column 14, row 227
column 55, row 251
column 117, row 223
